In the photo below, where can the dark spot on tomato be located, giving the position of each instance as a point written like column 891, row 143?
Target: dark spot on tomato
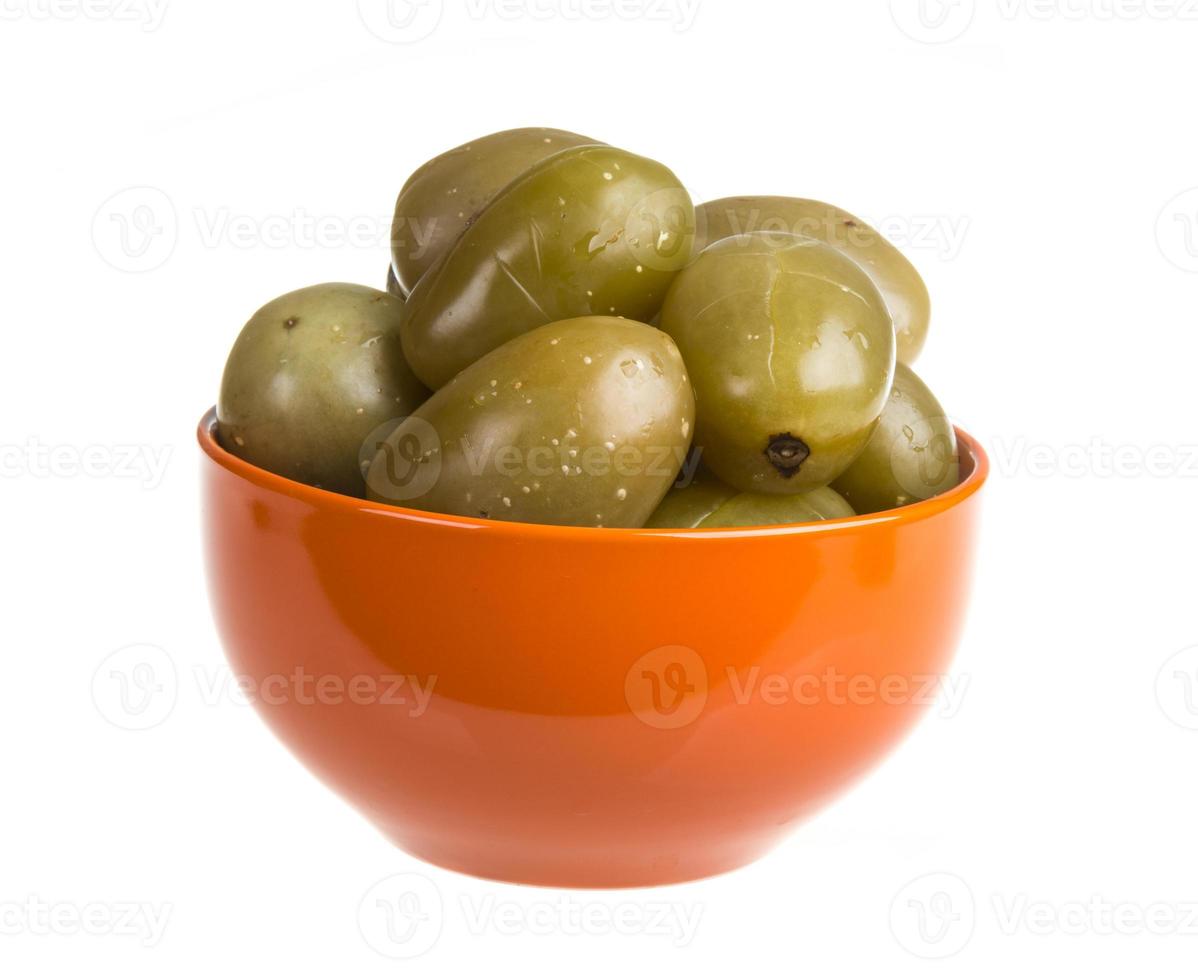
column 786, row 453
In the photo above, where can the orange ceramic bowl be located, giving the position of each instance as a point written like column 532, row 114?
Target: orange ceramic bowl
column 579, row 706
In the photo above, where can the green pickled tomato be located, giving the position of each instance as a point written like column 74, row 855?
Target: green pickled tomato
column 912, row 454
column 582, row 422
column 442, row 197
column 708, row 502
column 897, row 280
column 590, row 230
column 311, row 375
column 791, row 354
column 690, row 504
column 763, row 509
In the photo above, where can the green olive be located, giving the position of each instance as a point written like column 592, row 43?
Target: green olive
column 590, row 230
column 763, row 509
column 691, row 503
column 900, row 285
column 311, row 375
column 442, row 197
column 582, row 422
column 791, row 353
column 912, row 454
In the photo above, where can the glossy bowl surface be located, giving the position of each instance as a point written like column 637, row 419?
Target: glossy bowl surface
column 579, row 706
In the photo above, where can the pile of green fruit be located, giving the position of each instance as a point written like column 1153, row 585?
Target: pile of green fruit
column 566, row 339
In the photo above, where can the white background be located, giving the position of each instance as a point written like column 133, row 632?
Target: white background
column 1029, row 157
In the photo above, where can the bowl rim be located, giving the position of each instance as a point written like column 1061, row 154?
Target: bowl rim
column 907, row 514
